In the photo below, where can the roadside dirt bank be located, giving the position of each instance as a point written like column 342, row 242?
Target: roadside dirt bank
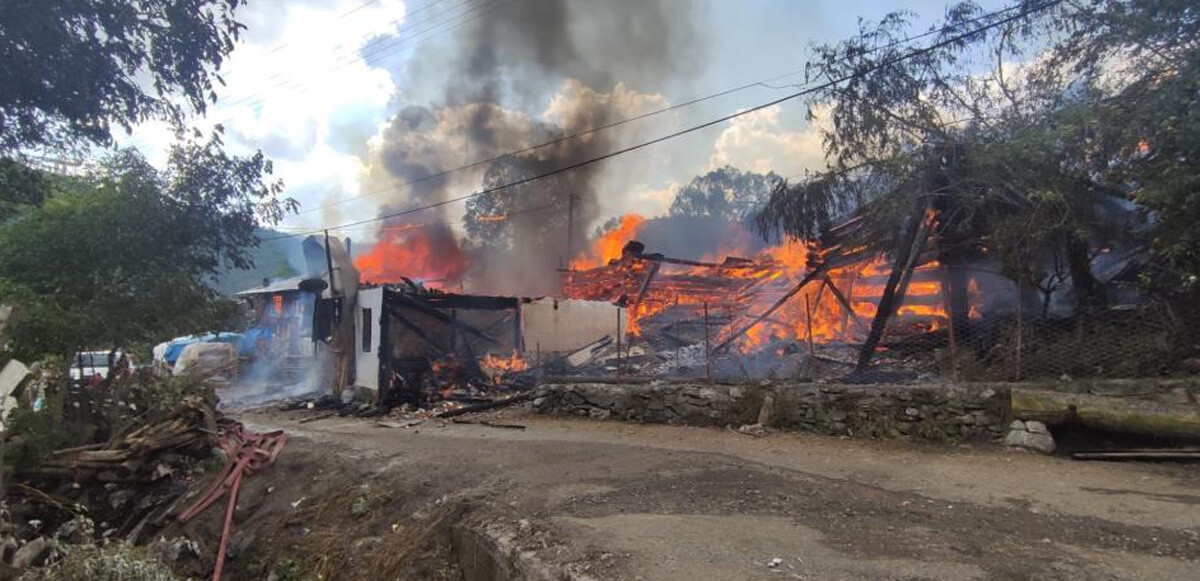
column 608, row 500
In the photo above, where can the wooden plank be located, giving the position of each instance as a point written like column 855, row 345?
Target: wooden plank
column 820, row 270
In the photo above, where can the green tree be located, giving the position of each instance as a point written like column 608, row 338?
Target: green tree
column 968, row 130
column 126, row 254
column 725, row 192
column 524, row 217
column 74, row 69
column 20, row 186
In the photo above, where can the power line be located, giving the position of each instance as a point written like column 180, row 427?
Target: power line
column 455, row 21
column 497, row 217
column 343, row 58
column 717, row 121
column 342, row 51
column 694, row 101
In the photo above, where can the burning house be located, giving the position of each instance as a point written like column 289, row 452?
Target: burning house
column 416, row 345
column 301, row 331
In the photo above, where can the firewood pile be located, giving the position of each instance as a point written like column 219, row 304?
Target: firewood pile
column 147, row 453
column 124, row 453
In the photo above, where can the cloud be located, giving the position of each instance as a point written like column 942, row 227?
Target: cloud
column 756, row 142
column 296, row 89
column 652, row 202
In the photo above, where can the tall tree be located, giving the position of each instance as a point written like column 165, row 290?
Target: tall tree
column 126, row 254
column 74, row 69
column 725, row 192
column 963, row 128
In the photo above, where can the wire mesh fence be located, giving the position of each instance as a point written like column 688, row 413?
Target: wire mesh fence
column 831, row 327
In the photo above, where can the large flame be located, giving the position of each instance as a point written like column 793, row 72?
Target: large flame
column 423, row 252
column 735, row 291
column 609, row 245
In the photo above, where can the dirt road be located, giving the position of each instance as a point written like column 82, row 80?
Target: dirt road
column 623, row 501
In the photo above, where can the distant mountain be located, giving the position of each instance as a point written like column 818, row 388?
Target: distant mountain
column 271, row 260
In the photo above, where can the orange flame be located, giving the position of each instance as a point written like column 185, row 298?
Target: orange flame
column 428, row 252
column 504, row 364
column 741, row 289
column 608, row 246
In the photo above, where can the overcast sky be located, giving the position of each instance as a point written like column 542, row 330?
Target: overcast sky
column 314, row 83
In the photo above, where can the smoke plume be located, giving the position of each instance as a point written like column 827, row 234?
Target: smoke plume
column 577, row 65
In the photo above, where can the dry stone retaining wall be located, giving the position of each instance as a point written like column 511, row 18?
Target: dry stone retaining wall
column 935, row 412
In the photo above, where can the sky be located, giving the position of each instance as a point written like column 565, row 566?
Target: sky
column 315, row 85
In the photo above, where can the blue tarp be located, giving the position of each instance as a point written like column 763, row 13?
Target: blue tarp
column 249, row 340
column 175, row 347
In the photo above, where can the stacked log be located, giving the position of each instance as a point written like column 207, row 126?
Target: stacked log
column 143, row 455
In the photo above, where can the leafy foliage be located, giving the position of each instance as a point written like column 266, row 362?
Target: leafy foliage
column 725, row 192
column 270, row 259
column 527, row 216
column 126, row 254
column 1027, row 138
column 36, row 434
column 20, row 187
column 74, row 69
column 108, row 561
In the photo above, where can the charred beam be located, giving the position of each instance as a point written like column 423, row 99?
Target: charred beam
column 819, row 271
column 650, row 272
column 845, row 303
column 423, row 307
column 418, row 331
column 906, row 260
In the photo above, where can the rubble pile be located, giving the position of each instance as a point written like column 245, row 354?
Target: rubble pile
column 120, row 455
column 147, row 454
column 792, row 311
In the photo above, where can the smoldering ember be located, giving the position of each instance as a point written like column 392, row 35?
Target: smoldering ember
column 548, row 289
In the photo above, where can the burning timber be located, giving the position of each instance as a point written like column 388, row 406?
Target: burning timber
column 421, row 347
column 795, row 300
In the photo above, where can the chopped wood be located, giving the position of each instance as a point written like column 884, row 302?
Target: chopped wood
column 83, row 448
column 318, row 417
column 488, row 423
column 492, row 424
column 134, row 456
column 512, row 400
column 409, row 424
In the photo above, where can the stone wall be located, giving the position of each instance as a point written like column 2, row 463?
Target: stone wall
column 935, row 412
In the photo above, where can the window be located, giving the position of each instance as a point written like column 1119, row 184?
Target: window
column 367, row 326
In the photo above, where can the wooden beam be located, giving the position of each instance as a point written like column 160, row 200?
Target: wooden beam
column 845, row 303
column 819, row 271
column 890, row 301
column 645, row 286
column 416, row 330
column 419, row 305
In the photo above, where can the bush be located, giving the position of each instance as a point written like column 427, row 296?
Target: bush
column 118, row 561
column 33, row 435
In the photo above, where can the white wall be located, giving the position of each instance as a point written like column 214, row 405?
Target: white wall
column 566, row 325
column 366, row 358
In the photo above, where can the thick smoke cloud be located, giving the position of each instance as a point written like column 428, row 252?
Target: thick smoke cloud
column 576, row 66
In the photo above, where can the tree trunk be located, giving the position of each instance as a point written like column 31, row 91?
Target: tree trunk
column 957, row 281
column 911, row 240
column 1088, row 292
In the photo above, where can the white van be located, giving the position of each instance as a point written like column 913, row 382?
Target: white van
column 88, row 364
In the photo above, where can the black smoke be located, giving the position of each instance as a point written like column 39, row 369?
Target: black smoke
column 586, row 64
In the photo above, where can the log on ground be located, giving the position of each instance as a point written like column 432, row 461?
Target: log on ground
column 1117, row 414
